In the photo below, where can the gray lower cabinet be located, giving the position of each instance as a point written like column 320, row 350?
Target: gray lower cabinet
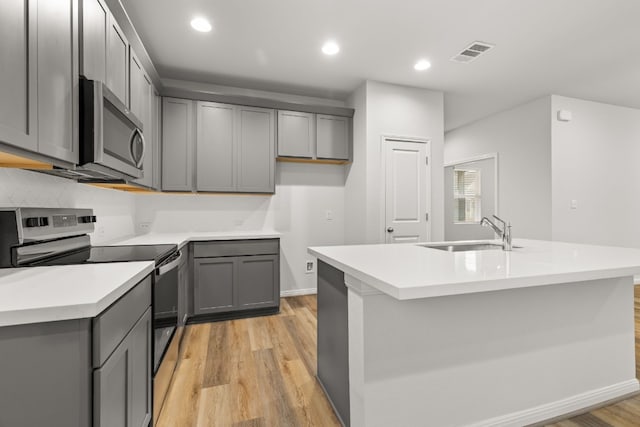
column 235, row 276
column 81, row 372
column 215, row 280
column 177, row 144
column 122, row 385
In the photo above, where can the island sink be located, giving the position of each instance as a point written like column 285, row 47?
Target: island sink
column 463, row 247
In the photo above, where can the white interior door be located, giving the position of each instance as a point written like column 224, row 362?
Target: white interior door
column 406, row 191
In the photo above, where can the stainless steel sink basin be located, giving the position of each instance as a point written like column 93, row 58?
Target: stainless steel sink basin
column 464, row 247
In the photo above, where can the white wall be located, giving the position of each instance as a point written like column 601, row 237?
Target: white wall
column 595, row 160
column 391, row 110
column 304, row 192
column 522, row 138
column 114, row 209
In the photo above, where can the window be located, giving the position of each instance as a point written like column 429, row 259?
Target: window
column 467, row 202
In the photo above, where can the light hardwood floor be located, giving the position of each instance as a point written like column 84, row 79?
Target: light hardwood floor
column 261, row 372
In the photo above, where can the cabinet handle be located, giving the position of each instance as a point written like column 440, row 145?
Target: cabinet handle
column 390, row 230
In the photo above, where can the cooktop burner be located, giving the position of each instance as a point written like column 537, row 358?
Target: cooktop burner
column 102, row 254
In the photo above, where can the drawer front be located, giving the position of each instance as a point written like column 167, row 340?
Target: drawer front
column 236, row 248
column 113, row 324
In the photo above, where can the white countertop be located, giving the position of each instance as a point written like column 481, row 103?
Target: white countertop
column 182, row 239
column 47, row 294
column 409, row 271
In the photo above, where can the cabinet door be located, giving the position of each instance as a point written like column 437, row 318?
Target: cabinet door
column 117, row 61
column 296, row 134
column 122, row 386
column 214, row 284
column 95, row 21
column 111, row 390
column 136, row 87
column 255, row 145
column 141, row 99
column 157, row 137
column 177, row 144
column 19, row 78
column 332, row 137
column 258, row 281
column 140, row 373
column 216, row 157
column 58, row 79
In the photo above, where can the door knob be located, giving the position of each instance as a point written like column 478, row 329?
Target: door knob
column 390, row 230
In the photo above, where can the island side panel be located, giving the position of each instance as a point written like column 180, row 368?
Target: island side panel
column 333, row 338
column 45, row 374
column 512, row 357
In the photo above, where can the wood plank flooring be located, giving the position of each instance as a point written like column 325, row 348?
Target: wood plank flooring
column 257, row 372
column 260, row 372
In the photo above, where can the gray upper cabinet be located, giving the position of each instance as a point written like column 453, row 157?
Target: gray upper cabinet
column 138, row 93
column 296, row 134
column 93, row 39
column 216, row 154
column 177, row 144
column 235, row 148
column 332, row 137
column 58, row 79
column 18, row 79
column 39, row 85
column 117, row 61
column 157, row 136
column 256, row 150
column 141, row 97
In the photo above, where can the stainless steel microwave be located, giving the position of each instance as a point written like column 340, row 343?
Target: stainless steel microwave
column 112, row 144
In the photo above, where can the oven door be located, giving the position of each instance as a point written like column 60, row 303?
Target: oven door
column 165, row 319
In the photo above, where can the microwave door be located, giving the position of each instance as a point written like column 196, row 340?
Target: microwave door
column 122, row 141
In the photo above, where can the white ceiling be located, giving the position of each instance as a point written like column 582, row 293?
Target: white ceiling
column 581, row 48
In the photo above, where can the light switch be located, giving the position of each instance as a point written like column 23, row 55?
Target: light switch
column 574, row 204
column 328, row 215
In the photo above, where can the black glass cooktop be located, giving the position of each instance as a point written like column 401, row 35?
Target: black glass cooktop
column 101, row 254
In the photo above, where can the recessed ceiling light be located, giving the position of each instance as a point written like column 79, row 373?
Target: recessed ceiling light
column 201, row 24
column 330, row 48
column 422, row 65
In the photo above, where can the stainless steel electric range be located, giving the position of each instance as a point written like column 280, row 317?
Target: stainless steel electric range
column 35, row 237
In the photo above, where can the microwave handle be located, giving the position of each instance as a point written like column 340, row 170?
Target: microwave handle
column 140, row 160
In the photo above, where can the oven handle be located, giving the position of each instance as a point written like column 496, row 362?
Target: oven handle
column 163, row 269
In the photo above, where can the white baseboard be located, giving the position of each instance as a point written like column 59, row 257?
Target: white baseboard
column 563, row 407
column 298, row 292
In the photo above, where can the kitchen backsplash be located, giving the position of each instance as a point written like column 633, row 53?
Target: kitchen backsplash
column 115, row 209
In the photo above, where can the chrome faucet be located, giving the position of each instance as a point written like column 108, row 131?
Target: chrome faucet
column 504, row 233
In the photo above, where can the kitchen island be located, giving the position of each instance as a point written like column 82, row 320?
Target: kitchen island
column 415, row 336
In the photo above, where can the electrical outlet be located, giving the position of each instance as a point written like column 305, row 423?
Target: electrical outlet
column 309, row 267
column 144, row 227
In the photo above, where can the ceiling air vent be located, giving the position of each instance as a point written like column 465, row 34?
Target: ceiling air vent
column 472, row 51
